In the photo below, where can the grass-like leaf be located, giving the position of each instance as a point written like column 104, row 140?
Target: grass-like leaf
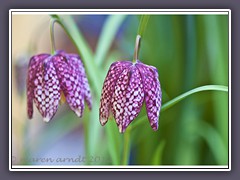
column 109, row 30
column 143, row 24
column 193, row 91
column 157, row 156
column 183, row 96
column 213, row 139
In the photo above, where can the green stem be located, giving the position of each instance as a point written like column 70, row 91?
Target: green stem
column 141, row 28
column 52, row 35
column 183, row 96
column 193, row 91
column 137, row 47
column 126, row 147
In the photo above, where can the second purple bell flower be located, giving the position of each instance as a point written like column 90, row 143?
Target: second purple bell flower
column 126, row 87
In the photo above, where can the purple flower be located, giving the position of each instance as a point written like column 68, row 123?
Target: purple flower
column 52, row 76
column 125, row 88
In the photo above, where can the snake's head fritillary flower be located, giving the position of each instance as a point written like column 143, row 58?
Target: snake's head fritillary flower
column 126, row 86
column 51, row 77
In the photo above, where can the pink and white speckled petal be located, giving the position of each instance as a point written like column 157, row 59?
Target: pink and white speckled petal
column 51, row 75
column 69, row 83
column 153, row 94
column 127, row 98
column 32, row 80
column 108, row 88
column 47, row 90
column 77, row 64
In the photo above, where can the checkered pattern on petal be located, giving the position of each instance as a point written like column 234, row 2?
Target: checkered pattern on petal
column 49, row 76
column 77, row 64
column 69, row 83
column 125, row 88
column 47, row 89
column 32, row 80
column 127, row 98
column 153, row 94
column 108, row 88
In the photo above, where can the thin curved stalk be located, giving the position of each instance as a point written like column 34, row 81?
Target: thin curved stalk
column 183, row 96
column 53, row 47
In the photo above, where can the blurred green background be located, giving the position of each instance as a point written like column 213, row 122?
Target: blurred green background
column 188, row 50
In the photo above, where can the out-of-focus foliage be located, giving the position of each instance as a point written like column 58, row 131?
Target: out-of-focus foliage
column 188, row 50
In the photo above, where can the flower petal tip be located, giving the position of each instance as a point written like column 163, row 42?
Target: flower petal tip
column 46, row 119
column 103, row 121
column 154, row 126
column 78, row 113
column 30, row 116
column 121, row 128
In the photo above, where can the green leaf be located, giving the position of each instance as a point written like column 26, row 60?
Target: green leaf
column 113, row 141
column 157, row 156
column 193, row 91
column 110, row 28
column 143, row 24
column 126, row 147
column 214, row 141
column 183, row 96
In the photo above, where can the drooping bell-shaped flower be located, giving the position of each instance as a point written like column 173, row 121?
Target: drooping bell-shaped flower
column 126, row 87
column 51, row 77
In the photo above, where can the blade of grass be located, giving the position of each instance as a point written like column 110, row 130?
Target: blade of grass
column 157, row 156
column 113, row 141
column 184, row 152
column 183, row 96
column 216, row 50
column 126, row 147
column 94, row 129
column 143, row 24
column 110, row 28
column 193, row 91
column 214, row 141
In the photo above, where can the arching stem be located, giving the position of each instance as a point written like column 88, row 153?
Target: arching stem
column 52, row 36
column 137, row 47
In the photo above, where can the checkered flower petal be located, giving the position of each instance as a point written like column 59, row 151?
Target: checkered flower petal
column 48, row 76
column 32, row 80
column 153, row 94
column 47, row 89
column 108, row 88
column 79, row 67
column 69, row 82
column 128, row 97
column 124, row 92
